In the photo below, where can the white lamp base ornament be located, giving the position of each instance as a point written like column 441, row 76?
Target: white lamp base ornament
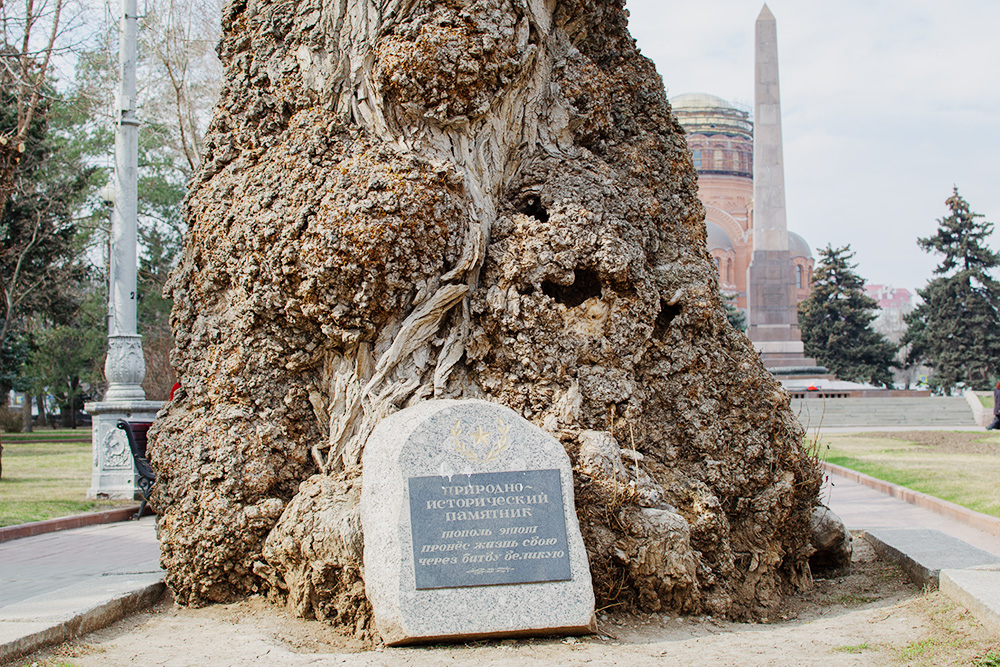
column 125, row 368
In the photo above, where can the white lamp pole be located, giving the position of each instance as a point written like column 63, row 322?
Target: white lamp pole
column 125, row 367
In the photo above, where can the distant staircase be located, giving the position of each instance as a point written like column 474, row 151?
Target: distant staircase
column 899, row 412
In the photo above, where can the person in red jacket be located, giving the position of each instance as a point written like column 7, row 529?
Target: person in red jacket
column 996, row 408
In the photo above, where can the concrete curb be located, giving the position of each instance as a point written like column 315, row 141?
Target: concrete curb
column 979, row 521
column 978, row 590
column 924, row 553
column 982, row 415
column 57, row 617
column 917, row 573
column 67, row 522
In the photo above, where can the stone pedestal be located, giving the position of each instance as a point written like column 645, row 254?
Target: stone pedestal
column 774, row 323
column 113, row 473
column 774, row 326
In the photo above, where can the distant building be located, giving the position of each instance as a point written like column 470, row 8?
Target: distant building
column 890, row 298
column 894, row 304
column 720, row 136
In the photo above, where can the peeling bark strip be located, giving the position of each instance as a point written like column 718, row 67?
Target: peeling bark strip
column 414, row 199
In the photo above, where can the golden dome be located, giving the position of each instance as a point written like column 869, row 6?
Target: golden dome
column 701, row 113
column 698, row 101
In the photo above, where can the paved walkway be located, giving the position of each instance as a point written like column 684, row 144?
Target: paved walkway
column 45, row 563
column 862, row 508
column 60, row 585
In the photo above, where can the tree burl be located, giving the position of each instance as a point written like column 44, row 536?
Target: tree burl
column 409, row 200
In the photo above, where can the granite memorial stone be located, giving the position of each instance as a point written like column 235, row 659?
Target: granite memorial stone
column 470, row 527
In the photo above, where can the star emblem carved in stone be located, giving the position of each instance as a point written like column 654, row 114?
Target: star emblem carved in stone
column 476, row 451
column 481, row 437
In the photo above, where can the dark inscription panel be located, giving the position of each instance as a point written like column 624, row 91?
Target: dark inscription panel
column 488, row 528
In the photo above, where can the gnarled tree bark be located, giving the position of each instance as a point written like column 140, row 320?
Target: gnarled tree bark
column 412, row 199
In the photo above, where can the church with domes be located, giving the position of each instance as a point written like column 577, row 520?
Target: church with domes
column 720, row 136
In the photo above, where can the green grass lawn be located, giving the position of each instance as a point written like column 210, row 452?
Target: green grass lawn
column 46, row 480
column 963, row 468
column 48, row 435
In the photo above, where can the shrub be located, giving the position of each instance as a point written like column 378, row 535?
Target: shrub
column 10, row 422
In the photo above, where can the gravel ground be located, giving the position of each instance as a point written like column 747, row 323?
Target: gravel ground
column 870, row 615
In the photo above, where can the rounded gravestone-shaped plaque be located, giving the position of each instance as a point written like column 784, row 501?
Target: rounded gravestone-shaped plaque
column 470, row 527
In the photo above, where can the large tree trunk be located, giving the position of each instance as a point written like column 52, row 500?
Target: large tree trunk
column 409, row 199
column 68, row 416
column 43, row 417
column 26, row 425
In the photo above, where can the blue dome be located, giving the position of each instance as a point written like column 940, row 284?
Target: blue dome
column 797, row 246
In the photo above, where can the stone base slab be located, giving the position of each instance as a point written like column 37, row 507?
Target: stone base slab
column 782, row 347
column 978, row 590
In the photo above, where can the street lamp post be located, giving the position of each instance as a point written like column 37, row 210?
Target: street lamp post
column 113, row 474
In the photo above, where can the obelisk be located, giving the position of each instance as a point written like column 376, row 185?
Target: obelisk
column 774, row 327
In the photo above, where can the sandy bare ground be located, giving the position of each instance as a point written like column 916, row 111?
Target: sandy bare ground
column 945, row 442
column 870, row 616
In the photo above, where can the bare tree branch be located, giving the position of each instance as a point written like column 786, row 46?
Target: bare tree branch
column 12, row 295
column 31, row 77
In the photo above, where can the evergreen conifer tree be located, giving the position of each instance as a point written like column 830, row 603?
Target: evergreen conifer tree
column 736, row 316
column 40, row 227
column 836, row 322
column 956, row 330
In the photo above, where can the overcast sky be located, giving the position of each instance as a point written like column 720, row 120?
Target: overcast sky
column 886, row 104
